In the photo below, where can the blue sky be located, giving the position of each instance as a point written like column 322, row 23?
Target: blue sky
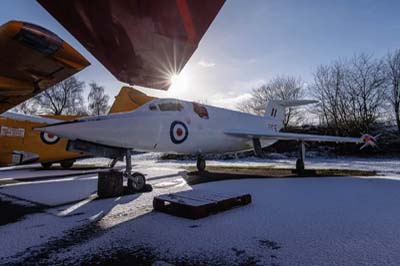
column 252, row 41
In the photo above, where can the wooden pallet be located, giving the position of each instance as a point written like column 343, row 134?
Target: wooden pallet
column 195, row 204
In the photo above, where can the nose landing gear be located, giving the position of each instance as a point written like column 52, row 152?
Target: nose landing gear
column 136, row 180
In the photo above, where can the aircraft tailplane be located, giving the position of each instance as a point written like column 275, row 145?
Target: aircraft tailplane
column 276, row 108
column 129, row 99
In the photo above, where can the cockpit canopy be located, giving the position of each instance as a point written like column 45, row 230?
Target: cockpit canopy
column 166, row 105
column 173, row 105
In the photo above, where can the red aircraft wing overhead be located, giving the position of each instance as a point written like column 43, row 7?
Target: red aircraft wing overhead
column 141, row 42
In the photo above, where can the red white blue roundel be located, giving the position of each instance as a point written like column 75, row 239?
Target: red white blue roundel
column 49, row 138
column 178, row 132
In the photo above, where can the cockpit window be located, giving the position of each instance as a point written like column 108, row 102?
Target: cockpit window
column 170, row 106
column 200, row 110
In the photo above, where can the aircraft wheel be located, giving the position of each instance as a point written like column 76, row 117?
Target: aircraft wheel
column 67, row 164
column 46, row 165
column 299, row 165
column 201, row 164
column 136, row 181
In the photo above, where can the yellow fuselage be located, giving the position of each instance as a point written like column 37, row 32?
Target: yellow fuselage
column 18, row 136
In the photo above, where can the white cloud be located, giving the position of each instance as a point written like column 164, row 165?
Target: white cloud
column 206, row 64
column 229, row 102
column 246, row 85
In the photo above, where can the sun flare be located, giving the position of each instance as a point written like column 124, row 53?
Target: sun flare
column 174, row 78
column 179, row 82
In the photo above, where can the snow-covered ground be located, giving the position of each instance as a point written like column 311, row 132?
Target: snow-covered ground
column 48, row 187
column 382, row 165
column 307, row 221
column 26, row 172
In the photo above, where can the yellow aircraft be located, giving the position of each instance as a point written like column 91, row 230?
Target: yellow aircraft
column 19, row 144
column 32, row 60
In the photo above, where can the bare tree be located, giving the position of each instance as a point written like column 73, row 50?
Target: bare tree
column 351, row 93
column 279, row 88
column 328, row 89
column 366, row 86
column 63, row 98
column 27, row 108
column 98, row 101
column 393, row 76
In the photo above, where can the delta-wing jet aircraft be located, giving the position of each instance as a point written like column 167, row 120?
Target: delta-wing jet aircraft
column 175, row 126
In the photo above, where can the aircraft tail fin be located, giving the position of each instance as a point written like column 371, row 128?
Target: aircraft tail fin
column 276, row 108
column 128, row 99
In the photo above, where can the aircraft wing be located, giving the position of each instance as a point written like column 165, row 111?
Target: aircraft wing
column 31, row 60
column 141, row 42
column 291, row 136
column 30, row 118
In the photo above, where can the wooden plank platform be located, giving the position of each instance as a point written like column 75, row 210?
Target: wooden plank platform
column 195, row 204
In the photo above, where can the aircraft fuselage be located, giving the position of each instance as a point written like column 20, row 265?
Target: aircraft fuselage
column 169, row 125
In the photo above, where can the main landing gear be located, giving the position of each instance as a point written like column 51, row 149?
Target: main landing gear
column 201, row 163
column 300, row 161
column 136, row 180
column 66, row 164
column 46, row 165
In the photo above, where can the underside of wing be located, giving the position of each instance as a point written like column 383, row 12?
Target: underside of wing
column 141, row 42
column 290, row 136
column 31, row 60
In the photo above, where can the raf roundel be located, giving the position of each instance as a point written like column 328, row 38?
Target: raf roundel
column 49, row 138
column 178, row 132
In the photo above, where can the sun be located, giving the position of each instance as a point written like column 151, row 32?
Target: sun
column 179, row 82
column 174, row 78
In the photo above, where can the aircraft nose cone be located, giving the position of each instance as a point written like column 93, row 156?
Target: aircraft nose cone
column 67, row 130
